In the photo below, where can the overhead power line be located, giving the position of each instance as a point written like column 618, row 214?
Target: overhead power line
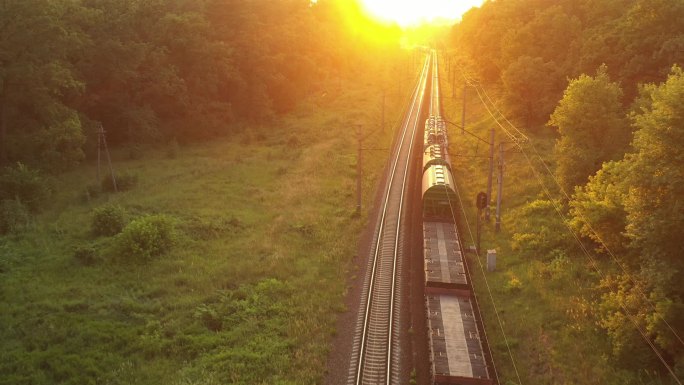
column 520, row 143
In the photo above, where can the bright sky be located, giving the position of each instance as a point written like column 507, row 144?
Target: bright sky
column 413, row 12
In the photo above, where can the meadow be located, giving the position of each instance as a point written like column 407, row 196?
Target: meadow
column 260, row 229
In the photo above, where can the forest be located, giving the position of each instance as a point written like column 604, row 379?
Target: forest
column 221, row 253
column 604, row 81
column 162, row 70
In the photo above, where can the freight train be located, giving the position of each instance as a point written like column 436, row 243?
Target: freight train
column 455, row 331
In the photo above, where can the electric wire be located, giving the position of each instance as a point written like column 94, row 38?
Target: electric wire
column 596, row 268
column 489, row 291
column 585, row 251
column 582, row 217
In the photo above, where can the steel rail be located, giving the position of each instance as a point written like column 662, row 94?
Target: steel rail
column 375, row 353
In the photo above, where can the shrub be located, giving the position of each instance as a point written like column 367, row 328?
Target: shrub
column 92, row 191
column 14, row 216
column 209, row 317
column 25, row 185
column 108, row 220
column 86, row 255
column 146, row 237
column 124, row 182
column 513, row 284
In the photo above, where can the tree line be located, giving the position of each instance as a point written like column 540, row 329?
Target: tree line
column 153, row 71
column 607, row 78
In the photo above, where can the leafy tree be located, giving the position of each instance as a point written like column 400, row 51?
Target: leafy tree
column 555, row 34
column 530, row 86
column 592, row 127
column 597, row 209
column 633, row 204
column 36, row 82
column 655, row 211
column 25, row 185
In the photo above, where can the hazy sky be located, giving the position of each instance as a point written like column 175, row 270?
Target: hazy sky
column 412, row 12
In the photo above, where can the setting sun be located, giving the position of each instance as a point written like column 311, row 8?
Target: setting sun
column 413, row 12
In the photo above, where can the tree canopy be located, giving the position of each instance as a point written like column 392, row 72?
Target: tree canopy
column 151, row 71
column 637, row 40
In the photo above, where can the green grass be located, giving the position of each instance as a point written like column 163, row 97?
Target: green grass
column 544, row 298
column 265, row 229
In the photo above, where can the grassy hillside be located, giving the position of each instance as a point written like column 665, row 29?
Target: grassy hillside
column 263, row 232
column 543, row 294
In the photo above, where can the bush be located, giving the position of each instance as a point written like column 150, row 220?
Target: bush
column 124, row 182
column 86, row 255
column 14, row 216
column 108, row 220
column 25, row 185
column 92, row 191
column 146, row 237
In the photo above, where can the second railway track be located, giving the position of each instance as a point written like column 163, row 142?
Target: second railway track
column 376, row 348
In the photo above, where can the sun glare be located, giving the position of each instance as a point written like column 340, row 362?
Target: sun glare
column 408, row 13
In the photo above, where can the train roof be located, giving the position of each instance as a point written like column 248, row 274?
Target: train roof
column 435, row 154
column 439, row 196
column 456, row 349
column 443, row 257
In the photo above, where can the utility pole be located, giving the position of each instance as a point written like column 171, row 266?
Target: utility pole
column 359, row 170
column 491, row 172
column 453, row 87
column 102, row 141
column 498, row 195
column 382, row 124
column 463, row 112
column 481, row 203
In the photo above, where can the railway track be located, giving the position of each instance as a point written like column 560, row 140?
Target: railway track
column 376, row 349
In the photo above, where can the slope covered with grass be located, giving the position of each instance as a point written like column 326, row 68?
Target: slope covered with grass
column 259, row 231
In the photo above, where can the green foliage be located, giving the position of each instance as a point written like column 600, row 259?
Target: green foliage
column 635, row 202
column 86, row 255
column 645, row 299
column 538, row 229
column 108, row 220
column 145, row 238
column 24, row 184
column 655, row 213
column 37, row 79
column 275, row 289
column 592, row 127
column 151, row 70
column 597, row 209
column 531, row 90
column 124, row 181
column 14, row 216
column 513, row 285
column 638, row 40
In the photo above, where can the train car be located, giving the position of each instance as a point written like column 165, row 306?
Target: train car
column 439, row 196
column 443, row 259
column 455, row 348
column 440, row 127
column 429, row 131
column 435, row 154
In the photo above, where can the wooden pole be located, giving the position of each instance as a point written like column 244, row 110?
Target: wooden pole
column 498, row 195
column 491, row 172
column 359, row 170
